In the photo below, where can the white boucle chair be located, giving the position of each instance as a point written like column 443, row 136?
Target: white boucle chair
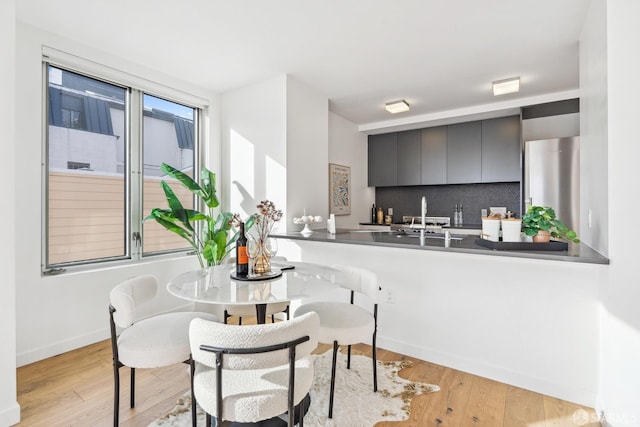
column 153, row 342
column 241, row 311
column 347, row 323
column 252, row 373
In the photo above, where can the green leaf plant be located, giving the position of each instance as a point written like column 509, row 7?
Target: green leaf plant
column 544, row 218
column 212, row 236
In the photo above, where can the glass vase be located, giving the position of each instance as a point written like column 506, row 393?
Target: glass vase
column 262, row 263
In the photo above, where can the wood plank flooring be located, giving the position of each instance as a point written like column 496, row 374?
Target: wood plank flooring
column 76, row 389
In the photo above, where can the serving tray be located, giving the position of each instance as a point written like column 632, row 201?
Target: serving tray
column 522, row 246
column 275, row 272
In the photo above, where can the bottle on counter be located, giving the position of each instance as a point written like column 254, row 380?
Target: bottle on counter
column 460, row 212
column 455, row 215
column 373, row 213
column 242, row 259
column 379, row 216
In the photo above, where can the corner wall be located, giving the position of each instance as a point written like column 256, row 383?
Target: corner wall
column 348, row 147
column 254, row 155
column 9, row 408
column 274, row 136
column 594, row 168
column 307, row 153
column 619, row 372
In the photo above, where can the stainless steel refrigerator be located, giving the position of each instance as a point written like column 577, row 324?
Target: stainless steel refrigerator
column 552, row 177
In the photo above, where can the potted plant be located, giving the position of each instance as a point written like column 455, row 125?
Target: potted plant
column 208, row 234
column 540, row 222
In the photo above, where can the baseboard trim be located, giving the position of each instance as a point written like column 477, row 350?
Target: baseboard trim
column 487, row 370
column 59, row 347
column 10, row 415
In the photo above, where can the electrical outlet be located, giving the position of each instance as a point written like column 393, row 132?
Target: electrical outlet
column 389, row 297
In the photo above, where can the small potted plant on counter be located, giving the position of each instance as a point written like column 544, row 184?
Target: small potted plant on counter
column 540, row 222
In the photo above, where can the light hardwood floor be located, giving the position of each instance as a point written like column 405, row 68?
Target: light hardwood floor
column 76, row 389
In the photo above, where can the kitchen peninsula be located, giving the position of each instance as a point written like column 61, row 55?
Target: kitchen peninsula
column 436, row 242
column 522, row 318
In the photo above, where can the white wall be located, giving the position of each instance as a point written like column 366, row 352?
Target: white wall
column 59, row 313
column 307, row 153
column 620, row 318
column 274, row 136
column 531, row 323
column 594, row 167
column 348, row 147
column 9, row 408
column 254, row 137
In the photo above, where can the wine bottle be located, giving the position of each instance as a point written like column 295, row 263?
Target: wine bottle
column 242, row 260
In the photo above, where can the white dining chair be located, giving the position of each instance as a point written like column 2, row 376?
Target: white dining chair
column 347, row 323
column 247, row 374
column 240, row 310
column 153, row 342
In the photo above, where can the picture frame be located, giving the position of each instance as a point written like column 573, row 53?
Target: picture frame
column 339, row 189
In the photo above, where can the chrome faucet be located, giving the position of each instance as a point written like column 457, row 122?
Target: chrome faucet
column 423, row 217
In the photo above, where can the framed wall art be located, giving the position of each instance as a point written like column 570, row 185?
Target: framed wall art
column 339, row 189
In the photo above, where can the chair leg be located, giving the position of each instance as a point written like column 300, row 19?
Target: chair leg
column 116, row 394
column 301, row 413
column 349, row 356
column 239, row 320
column 333, row 378
column 226, row 316
column 208, row 421
column 194, row 419
column 273, row 319
column 133, row 387
column 375, row 365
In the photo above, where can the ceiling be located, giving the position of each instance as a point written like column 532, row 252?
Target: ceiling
column 437, row 55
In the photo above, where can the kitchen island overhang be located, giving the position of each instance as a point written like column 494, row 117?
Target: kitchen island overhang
column 577, row 252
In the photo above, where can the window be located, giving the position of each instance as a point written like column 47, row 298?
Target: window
column 105, row 143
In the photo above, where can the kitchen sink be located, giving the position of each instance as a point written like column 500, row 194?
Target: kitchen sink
column 428, row 235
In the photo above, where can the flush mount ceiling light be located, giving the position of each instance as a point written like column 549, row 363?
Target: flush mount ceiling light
column 510, row 85
column 397, row 106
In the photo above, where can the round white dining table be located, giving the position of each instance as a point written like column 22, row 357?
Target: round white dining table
column 215, row 285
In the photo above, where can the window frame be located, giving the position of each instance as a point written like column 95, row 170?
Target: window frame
column 135, row 87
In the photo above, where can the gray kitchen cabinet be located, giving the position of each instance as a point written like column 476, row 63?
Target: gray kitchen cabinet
column 434, row 155
column 383, row 158
column 464, row 153
column 501, row 149
column 409, row 157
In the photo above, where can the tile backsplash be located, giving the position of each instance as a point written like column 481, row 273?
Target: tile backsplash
column 442, row 199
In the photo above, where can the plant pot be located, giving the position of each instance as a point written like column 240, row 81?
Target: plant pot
column 543, row 236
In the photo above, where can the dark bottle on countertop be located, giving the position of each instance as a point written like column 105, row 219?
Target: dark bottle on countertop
column 373, row 213
column 242, row 260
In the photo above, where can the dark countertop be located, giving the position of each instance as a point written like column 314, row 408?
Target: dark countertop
column 579, row 252
column 452, row 227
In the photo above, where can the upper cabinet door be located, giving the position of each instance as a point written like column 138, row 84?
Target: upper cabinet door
column 383, row 158
column 409, row 157
column 501, row 150
column 434, row 156
column 464, row 153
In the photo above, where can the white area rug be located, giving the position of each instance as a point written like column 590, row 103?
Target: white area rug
column 355, row 403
